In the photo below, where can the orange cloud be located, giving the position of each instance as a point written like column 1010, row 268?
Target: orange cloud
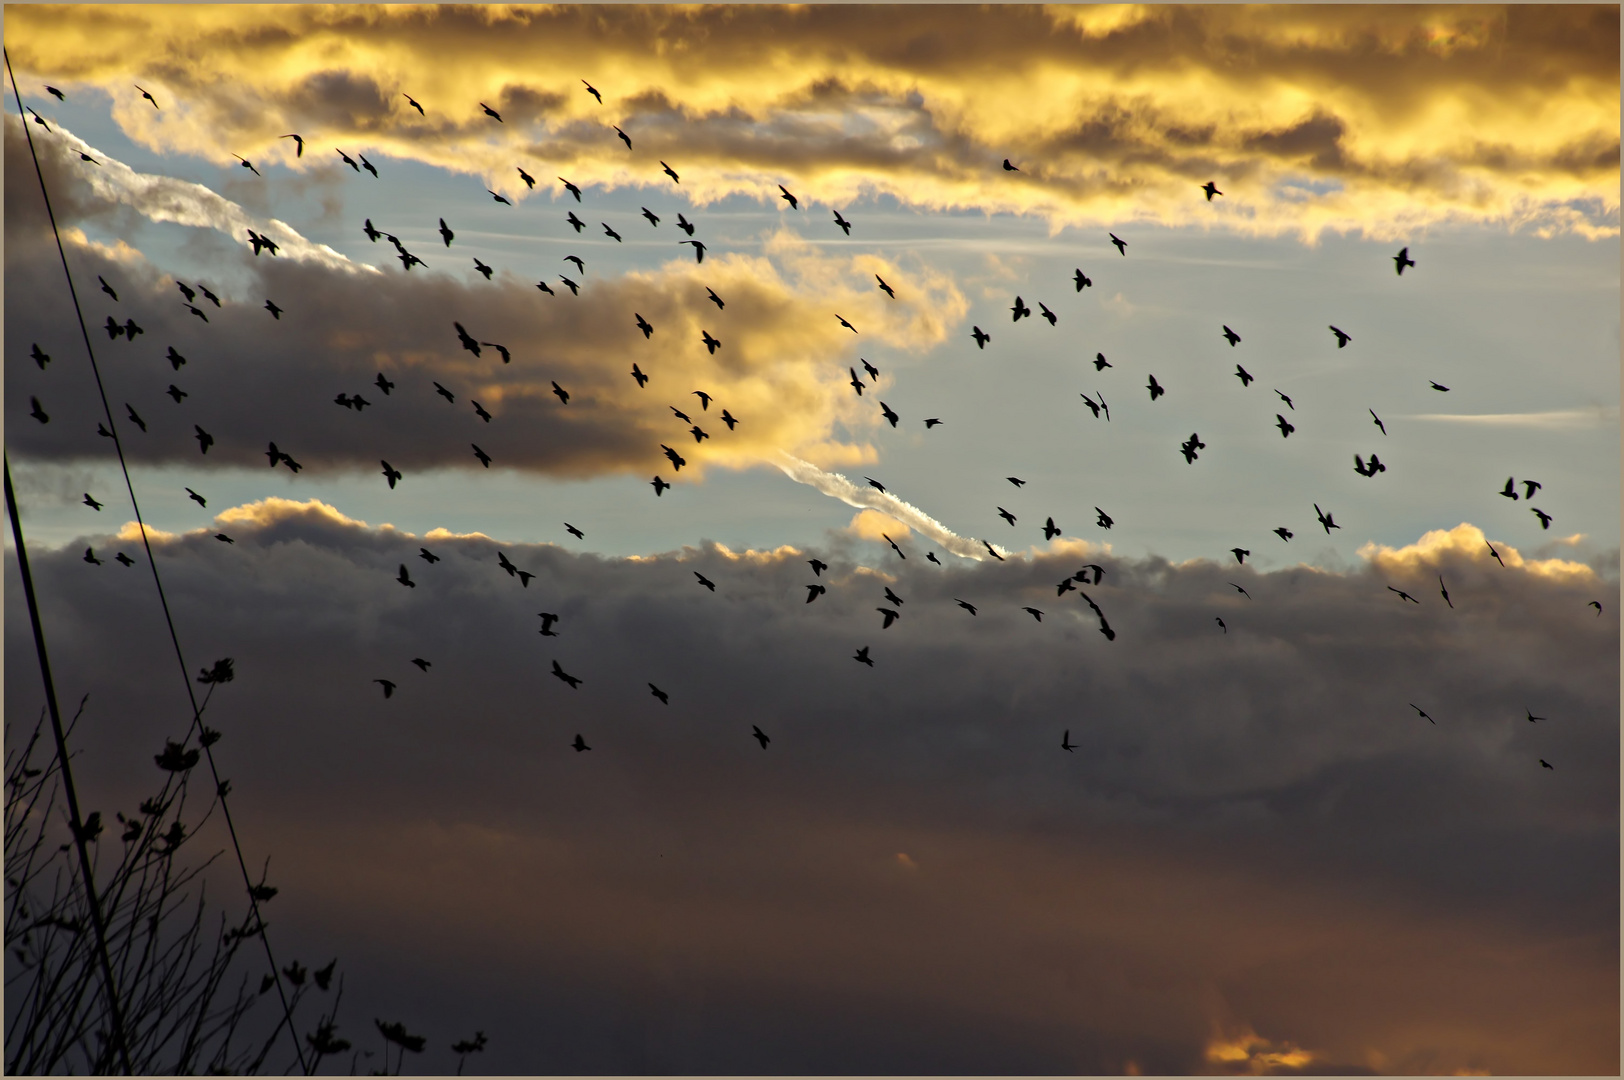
column 1465, row 543
column 873, row 525
column 1250, row 1054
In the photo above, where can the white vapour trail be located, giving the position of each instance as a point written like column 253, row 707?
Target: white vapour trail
column 838, row 486
column 164, row 198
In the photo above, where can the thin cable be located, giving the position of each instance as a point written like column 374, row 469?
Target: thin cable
column 75, row 822
column 191, row 695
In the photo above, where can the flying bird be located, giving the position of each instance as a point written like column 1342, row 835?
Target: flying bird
column 1240, row 590
column 1378, row 420
column 1286, row 427
column 981, row 336
column 1121, row 245
column 705, row 581
column 125, row 559
column 579, row 743
column 1105, row 521
column 861, row 655
column 1096, row 406
column 499, row 198
column 665, row 699
column 931, row 422
column 1444, row 591
column 729, row 419
column 846, row 324
column 1054, row 319
column 607, row 231
column 875, row 484
column 443, row 392
column 699, row 249
column 529, row 181
column 873, row 372
column 1597, row 605
column 1326, row 520
column 644, row 325
column 1341, row 338
column 563, row 395
column 710, row 343
column 108, row 289
column 134, row 417
column 484, row 458
column 39, row 357
column 704, row 398
column 546, row 288
column 1436, row 386
column 886, row 411
column 204, row 439
column 574, row 681
column 573, row 531
column 592, row 90
column 246, row 164
column 1065, row 741
column 1100, row 362
column 54, row 92
column 1006, row 515
column 653, row 218
column 1231, row 337
column 547, row 620
column 479, row 410
column 794, row 204
column 492, row 113
column 971, row 608
column 482, row 268
column 92, row 503
column 688, row 227
column 1156, row 389
column 677, row 461
column 698, row 433
column 894, row 547
column 405, row 578
column 1019, row 309
column 348, row 160
column 40, row 120
column 148, row 96
column 892, row 597
column 992, row 551
column 1034, row 612
column 757, row 734
column 717, row 300
column 1008, row 167
column 504, row 563
column 413, row 103
column 845, row 226
column 889, row 615
column 445, row 233
column 422, row 664
column 885, row 288
column 575, row 223
column 1287, row 400
column 195, row 497
column 931, row 555
column 1510, row 490
column 1544, row 518
column 1211, row 189
column 1284, row 533
column 1529, row 487
column 814, row 591
column 384, row 384
column 1423, row 712
column 1402, row 595
column 388, row 687
column 1221, row 625
column 90, row 557
column 637, row 374
column 659, row 486
column 680, row 415
column 114, row 330
column 575, row 290
column 1402, row 259
column 623, row 136
column 672, row 173
column 1496, row 555
column 45, row 418
column 276, row 312
column 1240, row 554
column 427, row 556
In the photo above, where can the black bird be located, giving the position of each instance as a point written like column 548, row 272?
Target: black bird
column 981, row 336
column 573, row 190
column 482, row 268
column 547, row 620
column 507, row 357
column 1099, row 574
column 443, row 392
column 1156, row 389
column 580, row 743
column 1341, row 338
column 758, row 735
column 894, row 547
column 710, row 343
column 575, row 290
column 499, row 198
column 1287, row 400
column 688, row 227
column 1054, row 319
column 818, row 566
column 1510, row 490
column 390, row 473
column 1240, row 554
column 388, row 687
column 1006, row 515
column 699, row 249
column 348, row 160
column 643, row 325
column 729, row 419
column 607, row 231
column 1529, row 487
column 861, row 655
column 413, row 103
column 1444, row 591
column 1544, row 518
column 677, row 460
column 892, row 597
column 1211, row 189
column 931, row 555
column 544, row 287
column 575, row 682
column 1496, row 555
column 210, row 297
column 653, row 218
column 384, row 384
column 195, row 497
column 1547, row 764
column 1597, row 605
column 846, row 324
column 101, row 429
column 931, row 422
column 593, row 91
column 1100, row 362
column 186, row 291
column 405, row 578
column 106, row 288
column 705, row 581
column 1423, row 712
column 195, row 310
column 422, row 664
column 92, row 503
column 875, row 484
column 680, row 415
column 90, row 557
column 794, row 204
column 54, row 92
column 1008, row 167
column 1094, row 406
column 563, row 395
column 717, row 300
column 1121, row 245
column 1221, row 625
column 1378, row 420
column 1402, row 259
column 704, row 399
column 814, row 591
column 492, row 113
column 1436, row 386
column 1019, row 309
column 125, row 559
column 1065, row 741
column 130, row 329
column 298, row 141
column 1284, row 533
column 40, row 358
column 1243, row 375
column 845, row 226
column 573, row 531
column 991, row 551
column 484, row 458
column 1286, row 428
column 1105, row 521
column 889, row 615
column 873, row 372
column 204, row 439
column 637, row 374
column 1017, row 481
column 276, row 312
column 146, row 95
column 885, row 288
column 1034, row 612
column 672, row 173
column 623, row 136
column 665, row 699
column 576, row 223
column 886, row 411
column 246, row 164
column 114, row 330
column 1082, row 280
column 445, row 233
column 40, row 120
column 971, row 608
column 1240, row 590
column 1531, row 717
column 427, row 556
column 503, row 562
column 1231, row 337
column 1326, row 520
column 1402, row 595
column 41, row 415
column 134, row 417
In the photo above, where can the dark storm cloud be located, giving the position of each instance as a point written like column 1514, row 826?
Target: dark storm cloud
column 1255, row 833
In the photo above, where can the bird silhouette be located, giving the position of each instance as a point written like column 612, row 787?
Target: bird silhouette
column 445, row 233
column 672, row 173
column 422, row 664
column 677, row 461
column 818, row 566
column 1547, row 764
column 54, row 92
column 1284, row 533
column 125, row 559
column 114, row 330
column 1286, row 427
column 1050, row 530
column 623, row 136
column 40, row 120
column 39, row 357
column 1402, row 259
column 106, row 288
column 730, row 420
column 892, row 597
column 427, row 556
column 1221, row 625
column 1402, row 595
column 1378, row 420
column 710, row 343
column 889, row 615
column 845, row 225
column 1231, row 337
column 1510, row 490
column 562, row 394
column 1240, row 554
column 135, row 417
column 443, row 392
column 1047, row 314
column 492, row 113
column 246, row 164
column 575, row 682
column 405, row 578
column 794, row 204
column 894, row 547
column 688, row 227
column 1082, row 280
column 607, row 231
column 186, row 290
column 204, row 439
column 276, row 312
column 384, row 384
column 1156, row 389
column 575, row 223
column 885, row 288
column 981, row 336
column 44, row 417
column 814, row 591
column 197, row 311
column 875, row 484
column 92, row 503
column 1529, row 487
column 499, row 198
column 1438, row 387
column 131, row 329
column 90, row 557
column 195, row 497
column 888, row 413
column 529, row 181
column 644, row 325
column 592, row 90
column 931, row 555
column 705, row 581
column 653, row 218
column 1496, row 555
column 846, row 324
column 1065, row 740
column 482, row 268
column 1341, row 338
column 1444, row 591
column 1597, row 605
column 348, row 161
column 1240, row 590
column 1006, row 515
column 680, row 415
column 1287, row 400
column 148, row 96
column 573, row 531
column 704, row 398
column 1100, row 362
column 1423, row 712
column 665, row 699
column 579, row 743
column 967, row 606
column 1121, row 245
column 717, row 300
column 1325, row 520
column 413, row 103
column 1544, row 518
column 274, row 455
column 1096, row 406
column 484, row 458
column 873, row 372
column 931, row 422
column 575, row 290
column 757, row 734
column 388, row 687
column 659, row 486
column 1019, row 309
column 637, row 374
column 1008, row 167
column 1211, row 189
column 861, row 655
column 1105, row 521
column 699, row 249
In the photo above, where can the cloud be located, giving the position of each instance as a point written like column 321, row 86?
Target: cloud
column 1381, row 121
column 1555, row 419
column 253, row 380
column 1467, row 543
column 1251, row 809
column 837, row 486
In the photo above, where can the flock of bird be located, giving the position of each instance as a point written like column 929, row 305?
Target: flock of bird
column 1091, row 574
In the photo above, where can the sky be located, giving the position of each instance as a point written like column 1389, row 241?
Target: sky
column 1300, row 822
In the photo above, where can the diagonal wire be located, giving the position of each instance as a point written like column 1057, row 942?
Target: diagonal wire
column 191, row 695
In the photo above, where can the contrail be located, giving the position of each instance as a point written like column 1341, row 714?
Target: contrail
column 834, row 484
column 164, row 198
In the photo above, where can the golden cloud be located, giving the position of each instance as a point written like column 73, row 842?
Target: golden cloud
column 873, row 525
column 1381, row 119
column 1250, row 1054
column 270, row 511
column 1465, row 543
